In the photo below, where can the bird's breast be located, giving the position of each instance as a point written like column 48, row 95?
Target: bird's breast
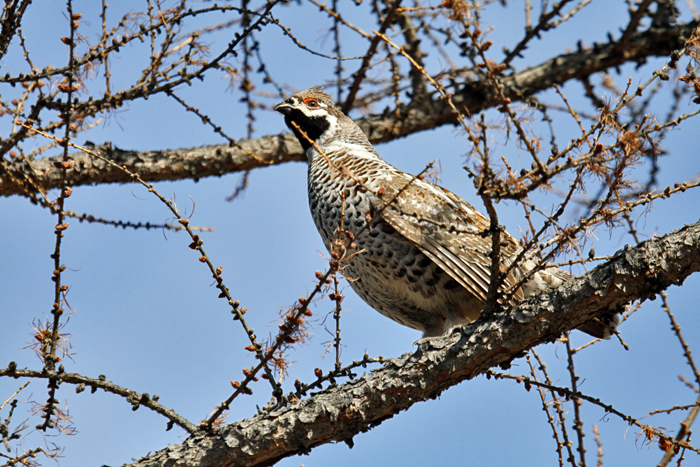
column 337, row 204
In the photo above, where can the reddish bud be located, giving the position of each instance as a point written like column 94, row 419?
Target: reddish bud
column 664, row 444
column 497, row 69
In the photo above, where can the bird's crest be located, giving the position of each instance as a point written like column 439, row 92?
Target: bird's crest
column 317, row 93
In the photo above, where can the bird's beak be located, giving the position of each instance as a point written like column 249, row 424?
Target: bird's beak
column 284, row 107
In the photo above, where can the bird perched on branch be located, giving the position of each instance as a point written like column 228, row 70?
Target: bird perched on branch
column 411, row 249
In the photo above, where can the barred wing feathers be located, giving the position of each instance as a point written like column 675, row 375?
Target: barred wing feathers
column 447, row 230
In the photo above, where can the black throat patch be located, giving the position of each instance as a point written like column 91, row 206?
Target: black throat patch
column 314, row 127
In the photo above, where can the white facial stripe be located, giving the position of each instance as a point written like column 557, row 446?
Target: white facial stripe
column 330, row 132
column 315, row 112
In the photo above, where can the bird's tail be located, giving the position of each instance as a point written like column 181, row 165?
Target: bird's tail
column 602, row 327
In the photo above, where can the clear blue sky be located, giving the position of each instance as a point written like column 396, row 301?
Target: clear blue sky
column 148, row 317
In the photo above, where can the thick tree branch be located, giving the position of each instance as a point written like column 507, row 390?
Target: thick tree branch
column 152, row 166
column 474, row 96
column 339, row 413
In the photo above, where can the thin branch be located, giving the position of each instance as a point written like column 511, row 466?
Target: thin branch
column 360, row 74
column 81, row 382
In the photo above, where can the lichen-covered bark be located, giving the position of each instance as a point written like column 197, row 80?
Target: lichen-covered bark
column 339, row 413
column 195, row 163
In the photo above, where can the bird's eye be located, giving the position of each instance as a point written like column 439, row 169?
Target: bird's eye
column 311, row 102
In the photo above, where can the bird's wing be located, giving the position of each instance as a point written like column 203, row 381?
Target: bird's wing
column 447, row 229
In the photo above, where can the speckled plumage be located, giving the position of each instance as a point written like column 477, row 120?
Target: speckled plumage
column 424, row 262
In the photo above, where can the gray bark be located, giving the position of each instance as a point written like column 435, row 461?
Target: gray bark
column 339, row 413
column 476, row 95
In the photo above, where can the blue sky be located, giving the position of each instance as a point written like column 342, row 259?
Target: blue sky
column 147, row 315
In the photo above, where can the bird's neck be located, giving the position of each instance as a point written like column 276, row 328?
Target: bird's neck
column 342, row 152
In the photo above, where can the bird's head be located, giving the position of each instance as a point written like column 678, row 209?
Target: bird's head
column 314, row 112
